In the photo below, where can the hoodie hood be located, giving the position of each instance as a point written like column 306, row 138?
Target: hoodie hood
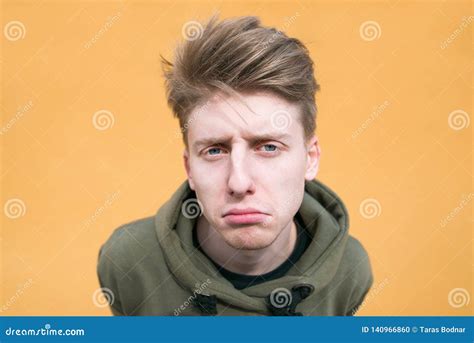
column 324, row 215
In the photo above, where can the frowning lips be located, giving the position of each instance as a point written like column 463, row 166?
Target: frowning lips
column 248, row 215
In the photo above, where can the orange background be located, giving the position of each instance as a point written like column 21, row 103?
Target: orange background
column 384, row 125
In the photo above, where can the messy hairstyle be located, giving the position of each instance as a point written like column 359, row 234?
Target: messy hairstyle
column 239, row 55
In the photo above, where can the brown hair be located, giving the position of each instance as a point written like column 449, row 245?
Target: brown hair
column 239, row 55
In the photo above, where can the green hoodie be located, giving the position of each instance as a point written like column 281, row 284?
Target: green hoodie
column 150, row 267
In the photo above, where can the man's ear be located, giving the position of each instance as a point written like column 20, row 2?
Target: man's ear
column 313, row 154
column 187, row 168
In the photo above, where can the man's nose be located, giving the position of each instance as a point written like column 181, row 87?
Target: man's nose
column 240, row 181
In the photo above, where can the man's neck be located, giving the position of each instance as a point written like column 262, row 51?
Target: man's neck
column 249, row 262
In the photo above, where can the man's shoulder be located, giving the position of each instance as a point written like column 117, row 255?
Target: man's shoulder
column 355, row 259
column 355, row 251
column 356, row 269
column 139, row 232
column 123, row 255
column 127, row 245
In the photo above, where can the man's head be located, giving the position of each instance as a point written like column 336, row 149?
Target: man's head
column 244, row 96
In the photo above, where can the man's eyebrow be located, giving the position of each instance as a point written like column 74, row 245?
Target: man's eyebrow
column 211, row 141
column 254, row 139
column 269, row 136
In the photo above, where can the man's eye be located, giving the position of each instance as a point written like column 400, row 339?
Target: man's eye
column 269, row 147
column 214, row 151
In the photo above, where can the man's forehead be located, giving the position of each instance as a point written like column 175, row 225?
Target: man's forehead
column 258, row 104
column 224, row 125
column 246, row 135
column 223, row 120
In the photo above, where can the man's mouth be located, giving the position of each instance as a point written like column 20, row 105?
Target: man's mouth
column 244, row 216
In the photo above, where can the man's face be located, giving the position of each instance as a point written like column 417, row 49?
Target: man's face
column 248, row 169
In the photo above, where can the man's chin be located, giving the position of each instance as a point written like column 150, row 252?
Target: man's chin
column 248, row 238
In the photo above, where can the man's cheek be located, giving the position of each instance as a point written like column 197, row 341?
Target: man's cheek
column 208, row 195
column 205, row 174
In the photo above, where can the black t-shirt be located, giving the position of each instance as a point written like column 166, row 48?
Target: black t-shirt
column 241, row 281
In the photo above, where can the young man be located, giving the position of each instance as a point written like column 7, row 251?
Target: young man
column 250, row 232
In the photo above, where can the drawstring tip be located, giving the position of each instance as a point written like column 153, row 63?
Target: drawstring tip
column 207, row 304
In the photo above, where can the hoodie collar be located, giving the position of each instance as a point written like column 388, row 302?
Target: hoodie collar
column 323, row 213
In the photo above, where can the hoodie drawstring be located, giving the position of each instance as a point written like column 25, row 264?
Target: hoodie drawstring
column 282, row 302
column 207, row 304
